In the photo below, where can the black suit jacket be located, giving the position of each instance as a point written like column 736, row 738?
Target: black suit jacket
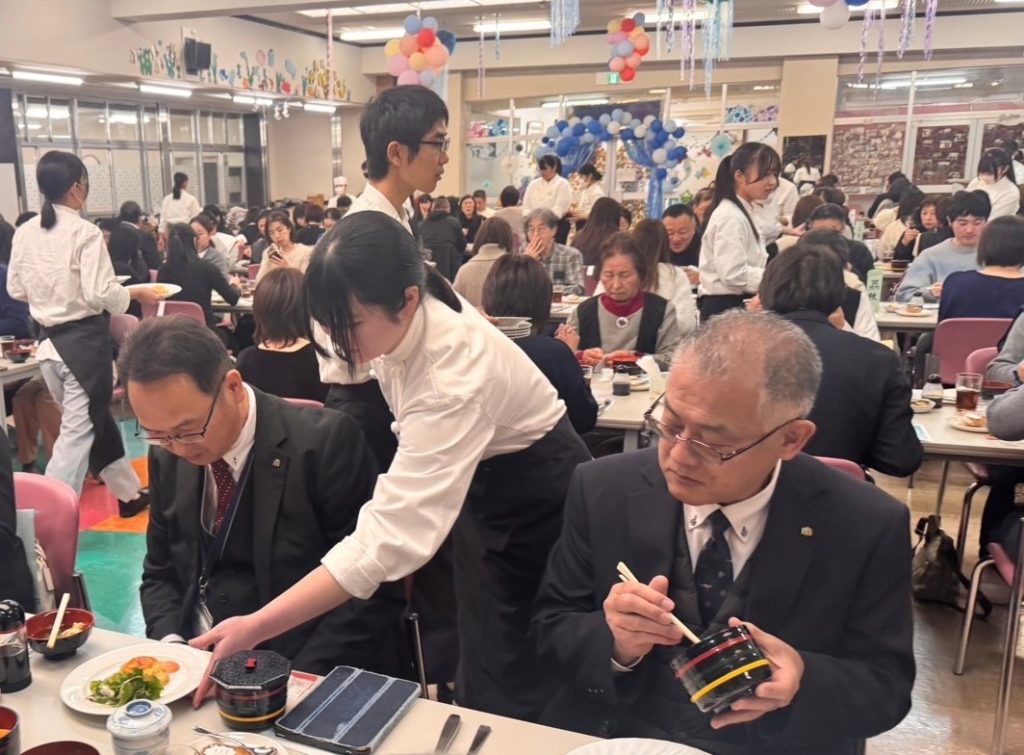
column 840, row 596
column 311, row 473
column 863, row 407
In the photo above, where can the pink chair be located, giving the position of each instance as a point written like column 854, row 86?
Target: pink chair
column 122, row 326
column 56, row 523
column 306, row 402
column 979, row 359
column 1000, row 559
column 184, row 308
column 851, row 468
column 152, row 275
column 253, row 270
column 957, row 338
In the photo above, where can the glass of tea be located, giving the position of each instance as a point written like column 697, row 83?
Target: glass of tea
column 968, row 391
column 556, row 293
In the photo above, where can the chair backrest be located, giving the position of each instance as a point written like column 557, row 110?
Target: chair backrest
column 56, row 507
column 185, row 308
column 253, row 270
column 313, row 404
column 851, row 468
column 957, row 337
column 152, row 275
column 121, row 326
column 589, row 284
column 979, row 359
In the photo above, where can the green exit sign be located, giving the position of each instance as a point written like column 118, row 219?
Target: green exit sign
column 614, row 78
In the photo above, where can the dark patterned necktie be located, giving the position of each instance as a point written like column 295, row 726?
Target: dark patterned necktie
column 713, row 574
column 225, row 482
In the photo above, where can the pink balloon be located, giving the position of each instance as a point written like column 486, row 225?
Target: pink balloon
column 408, row 77
column 619, row 36
column 616, row 64
column 397, row 64
column 633, row 61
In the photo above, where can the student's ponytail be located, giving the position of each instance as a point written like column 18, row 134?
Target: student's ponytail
column 56, row 173
column 180, row 179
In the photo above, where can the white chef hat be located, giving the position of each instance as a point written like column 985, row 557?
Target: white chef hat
column 340, row 181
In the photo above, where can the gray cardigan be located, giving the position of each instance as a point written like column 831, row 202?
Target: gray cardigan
column 1004, row 367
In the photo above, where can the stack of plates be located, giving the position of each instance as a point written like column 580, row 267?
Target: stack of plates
column 514, row 327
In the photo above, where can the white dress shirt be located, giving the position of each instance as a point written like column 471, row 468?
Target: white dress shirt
column 805, row 175
column 64, row 273
column 180, row 210
column 333, row 369
column 461, row 392
column 554, row 195
column 1004, row 195
column 732, row 256
column 585, row 199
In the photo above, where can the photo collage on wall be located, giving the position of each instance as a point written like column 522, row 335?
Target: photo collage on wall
column 864, row 154
column 940, row 154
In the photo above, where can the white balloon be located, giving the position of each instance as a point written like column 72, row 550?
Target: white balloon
column 605, row 119
column 636, row 122
column 587, row 138
column 659, row 156
column 613, row 127
column 573, row 121
column 670, row 126
column 648, row 120
column 670, row 144
column 671, row 164
column 640, row 132
column 835, row 15
column 627, row 117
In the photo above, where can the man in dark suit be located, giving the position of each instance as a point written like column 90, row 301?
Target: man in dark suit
column 862, row 411
column 130, row 214
column 726, row 520
column 248, row 493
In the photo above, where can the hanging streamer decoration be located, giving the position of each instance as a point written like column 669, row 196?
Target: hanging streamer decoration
column 880, row 23
column 865, row 27
column 497, row 36
column 565, row 18
column 480, row 72
column 330, row 56
column 688, row 40
column 717, row 32
column 906, row 27
column 931, row 6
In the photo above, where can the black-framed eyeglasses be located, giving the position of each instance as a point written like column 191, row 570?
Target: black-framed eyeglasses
column 442, row 144
column 184, row 439
column 708, row 454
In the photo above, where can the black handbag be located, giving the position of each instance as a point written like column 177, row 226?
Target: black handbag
column 936, row 575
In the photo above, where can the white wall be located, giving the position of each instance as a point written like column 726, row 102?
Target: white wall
column 299, row 155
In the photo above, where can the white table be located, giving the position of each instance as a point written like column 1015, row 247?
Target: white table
column 624, row 413
column 946, row 443
column 12, row 374
column 242, row 307
column 44, row 718
column 891, row 322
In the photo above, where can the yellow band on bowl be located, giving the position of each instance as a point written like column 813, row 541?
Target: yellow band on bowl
column 723, row 679
column 254, row 720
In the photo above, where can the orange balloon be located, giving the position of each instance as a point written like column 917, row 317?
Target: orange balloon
column 417, row 61
column 408, row 44
column 437, row 56
column 642, row 43
column 633, row 61
column 393, row 47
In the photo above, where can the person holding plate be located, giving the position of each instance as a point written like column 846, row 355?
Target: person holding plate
column 60, row 267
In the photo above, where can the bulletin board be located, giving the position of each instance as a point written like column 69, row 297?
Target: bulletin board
column 940, row 154
column 864, row 154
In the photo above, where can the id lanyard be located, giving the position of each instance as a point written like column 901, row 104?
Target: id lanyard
column 215, row 550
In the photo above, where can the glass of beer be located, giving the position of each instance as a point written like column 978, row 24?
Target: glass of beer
column 968, row 391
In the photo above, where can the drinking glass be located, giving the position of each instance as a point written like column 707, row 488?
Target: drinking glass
column 968, row 391
column 588, row 373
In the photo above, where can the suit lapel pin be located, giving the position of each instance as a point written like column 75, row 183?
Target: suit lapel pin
column 743, row 531
column 807, row 531
column 275, row 463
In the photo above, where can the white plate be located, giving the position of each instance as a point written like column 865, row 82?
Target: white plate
column 122, row 278
column 511, row 322
column 636, row 747
column 168, row 289
column 249, row 740
column 74, row 690
column 957, row 424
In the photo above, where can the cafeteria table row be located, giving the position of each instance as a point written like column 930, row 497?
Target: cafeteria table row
column 44, row 718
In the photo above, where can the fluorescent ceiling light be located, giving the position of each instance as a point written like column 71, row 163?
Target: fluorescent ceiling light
column 656, row 91
column 426, row 5
column 372, row 35
column 575, row 103
column 807, row 9
column 165, row 91
column 1007, row 2
column 49, row 78
column 651, row 16
column 244, row 99
column 318, row 107
column 534, row 24
column 905, row 83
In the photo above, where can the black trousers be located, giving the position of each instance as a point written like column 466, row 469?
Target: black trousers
column 716, row 304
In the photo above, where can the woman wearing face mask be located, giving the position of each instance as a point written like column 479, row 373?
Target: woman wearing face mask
column 283, row 250
column 61, row 268
column 550, row 192
column 486, row 452
column 995, row 178
column 732, row 253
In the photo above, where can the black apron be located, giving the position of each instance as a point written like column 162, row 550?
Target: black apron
column 86, row 348
column 511, row 519
column 716, row 304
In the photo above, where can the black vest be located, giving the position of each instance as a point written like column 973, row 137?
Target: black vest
column 850, row 305
column 650, row 321
column 232, row 589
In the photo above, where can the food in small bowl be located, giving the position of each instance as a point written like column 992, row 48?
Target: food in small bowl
column 922, row 405
column 629, row 361
column 898, row 265
column 973, row 419
column 19, row 356
column 913, row 309
column 62, row 748
column 75, row 628
column 10, row 733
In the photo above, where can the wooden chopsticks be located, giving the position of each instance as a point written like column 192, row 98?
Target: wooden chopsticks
column 627, row 576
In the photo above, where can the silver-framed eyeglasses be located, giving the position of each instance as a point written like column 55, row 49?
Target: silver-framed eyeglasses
column 183, row 439
column 707, row 453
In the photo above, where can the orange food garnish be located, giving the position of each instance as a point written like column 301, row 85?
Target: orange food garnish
column 170, row 666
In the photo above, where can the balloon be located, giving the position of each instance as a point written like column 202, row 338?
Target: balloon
column 834, row 16
column 574, row 120
column 614, row 26
column 430, row 23
column 426, row 38
column 624, row 49
column 616, row 64
column 619, row 36
column 679, row 154
column 679, row 133
column 561, row 125
column 614, row 128
column 563, row 148
column 628, row 25
column 594, row 127
column 656, row 125
column 669, row 144
column 659, row 156
column 290, row 68
column 660, row 173
column 427, row 78
column 412, row 24
column 605, row 119
column 567, row 132
column 661, row 138
column 545, row 140
column 669, row 125
column 635, row 122
column 408, row 77
column 670, row 163
column 447, row 39
column 393, row 47
column 617, row 114
column 628, row 74
column 639, row 19
column 635, row 33
column 407, row 45
column 587, row 138
column 588, row 119
column 626, row 133
column 397, row 64
column 437, row 56
column 417, row 61
column 640, row 132
column 634, row 60
column 552, row 132
column 649, row 119
column 626, row 117
column 642, row 44
column 857, row 3
column 579, row 129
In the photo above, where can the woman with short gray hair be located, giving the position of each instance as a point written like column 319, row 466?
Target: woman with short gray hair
column 563, row 263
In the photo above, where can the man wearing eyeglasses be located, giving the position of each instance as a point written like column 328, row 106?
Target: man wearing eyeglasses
column 248, row 492
column 726, row 521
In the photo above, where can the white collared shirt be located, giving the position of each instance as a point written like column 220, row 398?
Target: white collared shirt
column 747, row 519
column 461, row 393
column 554, row 195
column 732, row 256
column 235, row 457
column 334, row 370
column 64, row 273
column 585, row 199
column 1004, row 195
column 180, row 210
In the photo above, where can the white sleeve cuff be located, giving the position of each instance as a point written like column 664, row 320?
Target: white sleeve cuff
column 174, row 638
column 618, row 668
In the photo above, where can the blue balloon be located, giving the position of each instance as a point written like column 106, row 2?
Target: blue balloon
column 679, row 132
column 624, row 48
column 856, row 3
column 617, row 114
column 412, row 24
column 579, row 129
column 605, row 136
column 447, row 39
column 567, row 131
column 680, row 153
column 660, row 173
column 563, row 148
column 639, row 19
column 561, row 125
column 594, row 127
column 430, row 23
column 627, row 134
column 552, row 132
column 605, row 119
column 657, row 125
column 545, row 140
column 661, row 138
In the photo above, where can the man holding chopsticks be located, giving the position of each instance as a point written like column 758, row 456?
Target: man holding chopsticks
column 726, row 522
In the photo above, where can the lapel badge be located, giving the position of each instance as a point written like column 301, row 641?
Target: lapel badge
column 275, row 463
column 743, row 531
column 807, row 531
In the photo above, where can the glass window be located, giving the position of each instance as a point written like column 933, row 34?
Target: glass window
column 28, row 164
column 151, row 125
column 154, row 178
column 212, row 179
column 236, row 131
column 36, row 120
column 124, row 123
column 92, row 121
column 234, row 181
column 128, row 176
column 182, row 127
column 60, row 120
column 101, row 193
column 211, row 128
column 889, row 95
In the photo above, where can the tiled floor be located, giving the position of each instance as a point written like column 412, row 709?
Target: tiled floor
column 951, row 715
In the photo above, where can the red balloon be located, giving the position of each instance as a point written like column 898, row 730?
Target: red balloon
column 628, row 74
column 426, row 38
column 628, row 25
